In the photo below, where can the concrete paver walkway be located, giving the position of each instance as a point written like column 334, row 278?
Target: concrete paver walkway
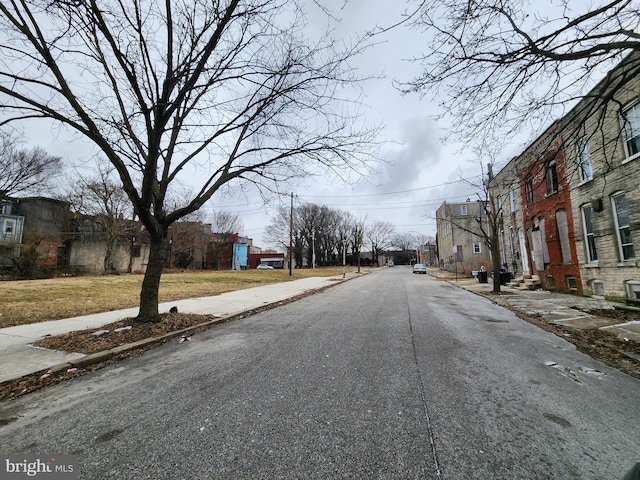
column 559, row 308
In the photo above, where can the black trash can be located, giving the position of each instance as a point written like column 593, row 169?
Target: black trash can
column 505, row 277
column 482, row 277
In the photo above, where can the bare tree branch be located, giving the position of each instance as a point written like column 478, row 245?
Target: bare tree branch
column 500, row 68
column 230, row 90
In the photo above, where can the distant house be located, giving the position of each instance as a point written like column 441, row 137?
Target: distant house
column 86, row 247
column 462, row 246
column 11, row 227
column 39, row 222
column 427, row 254
column 59, row 239
column 268, row 257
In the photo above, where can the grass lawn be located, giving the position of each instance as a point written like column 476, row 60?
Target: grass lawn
column 32, row 301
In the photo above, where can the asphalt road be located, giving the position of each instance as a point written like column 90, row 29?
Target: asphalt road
column 391, row 375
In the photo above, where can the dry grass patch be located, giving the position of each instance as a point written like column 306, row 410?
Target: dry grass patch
column 33, row 301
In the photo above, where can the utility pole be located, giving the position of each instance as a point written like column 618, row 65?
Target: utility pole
column 291, row 236
column 313, row 249
column 344, row 257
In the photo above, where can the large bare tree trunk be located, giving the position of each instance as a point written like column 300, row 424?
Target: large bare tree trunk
column 151, row 284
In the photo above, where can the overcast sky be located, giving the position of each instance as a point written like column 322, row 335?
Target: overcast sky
column 419, row 172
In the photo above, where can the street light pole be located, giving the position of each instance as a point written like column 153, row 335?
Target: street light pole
column 313, row 248
column 291, row 236
column 344, row 257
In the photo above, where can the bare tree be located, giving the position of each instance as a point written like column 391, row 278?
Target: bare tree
column 277, row 232
column 357, row 239
column 404, row 241
column 104, row 201
column 499, row 66
column 233, row 90
column 380, row 236
column 23, row 171
column 226, row 222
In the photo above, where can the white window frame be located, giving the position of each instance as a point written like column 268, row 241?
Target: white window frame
column 9, row 227
column 630, row 124
column 477, row 247
column 589, row 237
column 583, row 157
column 620, row 227
column 464, row 210
column 512, row 199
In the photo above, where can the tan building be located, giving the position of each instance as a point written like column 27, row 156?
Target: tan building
column 462, row 245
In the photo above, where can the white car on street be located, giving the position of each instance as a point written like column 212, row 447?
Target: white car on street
column 419, row 268
column 264, row 266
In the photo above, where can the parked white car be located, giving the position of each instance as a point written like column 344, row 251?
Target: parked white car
column 264, row 266
column 419, row 268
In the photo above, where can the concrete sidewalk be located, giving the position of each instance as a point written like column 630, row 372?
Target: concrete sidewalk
column 18, row 356
column 558, row 308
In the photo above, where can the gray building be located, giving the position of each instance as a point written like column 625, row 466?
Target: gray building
column 602, row 144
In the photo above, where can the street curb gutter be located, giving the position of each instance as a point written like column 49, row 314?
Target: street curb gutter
column 61, row 371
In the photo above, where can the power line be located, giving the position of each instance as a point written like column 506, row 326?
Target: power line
column 386, row 193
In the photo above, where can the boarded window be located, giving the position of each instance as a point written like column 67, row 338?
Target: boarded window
column 563, row 235
column 552, row 177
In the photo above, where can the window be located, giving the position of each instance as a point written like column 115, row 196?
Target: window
column 631, row 130
column 528, row 189
column 477, row 248
column 551, row 282
column 512, row 199
column 633, row 289
column 584, row 160
column 9, row 227
column 589, row 239
column 621, row 216
column 463, row 210
column 512, row 244
column 597, row 287
column 552, row 177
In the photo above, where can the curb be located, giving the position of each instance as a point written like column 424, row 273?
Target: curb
column 67, row 370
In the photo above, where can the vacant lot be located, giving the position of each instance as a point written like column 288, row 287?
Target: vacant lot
column 32, row 301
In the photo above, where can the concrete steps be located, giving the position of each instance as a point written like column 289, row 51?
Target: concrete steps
column 526, row 282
